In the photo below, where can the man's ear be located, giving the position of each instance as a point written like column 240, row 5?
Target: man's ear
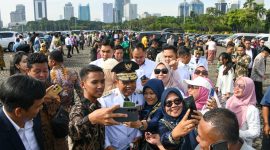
column 82, row 84
column 18, row 112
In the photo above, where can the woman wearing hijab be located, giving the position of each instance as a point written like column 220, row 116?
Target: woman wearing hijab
column 175, row 130
column 169, row 77
column 243, row 104
column 266, row 117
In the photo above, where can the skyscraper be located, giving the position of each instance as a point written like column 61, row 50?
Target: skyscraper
column 221, row 5
column 183, row 9
column 40, row 9
column 1, row 22
column 118, row 10
column 130, row 11
column 68, row 11
column 234, row 4
column 18, row 16
column 197, row 7
column 84, row 12
column 107, row 12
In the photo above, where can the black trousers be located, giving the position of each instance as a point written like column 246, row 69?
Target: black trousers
column 258, row 91
column 249, row 72
column 69, row 49
column 265, row 143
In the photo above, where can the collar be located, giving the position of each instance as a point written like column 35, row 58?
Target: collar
column 28, row 124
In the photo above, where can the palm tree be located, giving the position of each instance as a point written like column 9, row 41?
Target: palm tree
column 260, row 10
column 250, row 4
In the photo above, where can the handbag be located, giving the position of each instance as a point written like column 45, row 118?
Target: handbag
column 60, row 122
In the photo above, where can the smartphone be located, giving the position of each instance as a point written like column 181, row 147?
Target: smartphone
column 132, row 112
column 190, row 104
column 55, row 90
column 221, row 145
column 211, row 93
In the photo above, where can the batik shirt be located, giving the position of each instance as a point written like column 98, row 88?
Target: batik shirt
column 84, row 135
column 241, row 68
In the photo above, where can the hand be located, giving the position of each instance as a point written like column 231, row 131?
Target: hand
column 266, row 130
column 110, row 148
column 211, row 103
column 234, row 60
column 152, row 138
column 104, row 116
column 135, row 124
column 185, row 125
column 173, row 64
column 49, row 96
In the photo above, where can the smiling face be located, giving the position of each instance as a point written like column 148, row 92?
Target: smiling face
column 161, row 75
column 175, row 110
column 22, row 66
column 126, row 87
column 239, row 88
column 150, row 96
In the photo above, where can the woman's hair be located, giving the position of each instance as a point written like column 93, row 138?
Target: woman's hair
column 16, row 60
column 228, row 64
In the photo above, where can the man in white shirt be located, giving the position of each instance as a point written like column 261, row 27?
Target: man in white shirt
column 20, row 127
column 220, row 125
column 106, row 52
column 68, row 44
column 252, row 53
column 146, row 66
column 185, row 64
column 198, row 58
column 170, row 40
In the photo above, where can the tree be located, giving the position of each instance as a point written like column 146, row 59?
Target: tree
column 260, row 10
column 250, row 4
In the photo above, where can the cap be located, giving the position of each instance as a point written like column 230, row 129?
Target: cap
column 125, row 70
column 110, row 63
column 199, row 81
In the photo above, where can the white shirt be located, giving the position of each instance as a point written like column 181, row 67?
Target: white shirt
column 99, row 62
column 120, row 136
column 170, row 41
column 211, row 45
column 26, row 134
column 146, row 69
column 251, row 128
column 249, row 53
column 202, row 61
column 68, row 41
column 225, row 82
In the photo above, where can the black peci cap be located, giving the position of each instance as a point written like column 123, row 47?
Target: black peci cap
column 126, row 70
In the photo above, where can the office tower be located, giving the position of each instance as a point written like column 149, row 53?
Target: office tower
column 40, row 9
column 234, row 4
column 107, row 12
column 221, row 5
column 18, row 16
column 68, row 11
column 130, row 11
column 183, row 9
column 118, row 11
column 197, row 7
column 126, row 2
column 84, row 12
column 1, row 22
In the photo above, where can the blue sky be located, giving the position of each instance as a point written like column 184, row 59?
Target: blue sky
column 56, row 7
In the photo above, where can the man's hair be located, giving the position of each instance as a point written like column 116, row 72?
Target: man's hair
column 56, row 56
column 170, row 47
column 107, row 42
column 36, row 58
column 225, row 124
column 87, row 69
column 229, row 45
column 118, row 47
column 139, row 45
column 182, row 51
column 242, row 45
column 247, row 40
column 21, row 91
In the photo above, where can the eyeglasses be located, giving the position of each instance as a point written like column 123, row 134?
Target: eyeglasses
column 203, row 72
column 176, row 101
column 193, row 87
column 240, row 86
column 163, row 70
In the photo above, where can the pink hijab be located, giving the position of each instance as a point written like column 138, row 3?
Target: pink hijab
column 239, row 105
column 202, row 98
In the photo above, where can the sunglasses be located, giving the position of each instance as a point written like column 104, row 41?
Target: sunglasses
column 240, row 86
column 176, row 101
column 163, row 70
column 203, row 72
column 193, row 87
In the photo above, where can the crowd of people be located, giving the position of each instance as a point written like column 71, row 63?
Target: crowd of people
column 46, row 105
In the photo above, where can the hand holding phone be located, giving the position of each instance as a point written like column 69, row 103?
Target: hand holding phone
column 221, row 145
column 190, row 104
column 132, row 113
column 54, row 90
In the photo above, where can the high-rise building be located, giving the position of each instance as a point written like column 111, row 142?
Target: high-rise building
column 1, row 22
column 234, row 4
column 221, row 5
column 145, row 15
column 84, row 12
column 40, row 9
column 107, row 12
column 118, row 11
column 18, row 16
column 130, row 11
column 126, row 2
column 68, row 11
column 197, row 7
column 183, row 9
